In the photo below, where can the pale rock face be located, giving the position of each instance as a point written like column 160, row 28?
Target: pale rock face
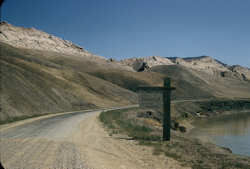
column 203, row 63
column 241, row 70
column 150, row 60
column 31, row 38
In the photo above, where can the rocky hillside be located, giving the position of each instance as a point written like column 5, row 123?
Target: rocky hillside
column 194, row 84
column 144, row 63
column 245, row 72
column 31, row 38
column 32, row 84
column 202, row 63
column 41, row 74
column 205, row 64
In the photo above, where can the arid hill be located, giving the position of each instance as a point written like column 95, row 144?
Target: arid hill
column 205, row 64
column 31, row 38
column 32, row 84
column 197, row 76
column 41, row 73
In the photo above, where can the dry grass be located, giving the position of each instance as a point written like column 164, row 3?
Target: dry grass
column 35, row 82
column 32, row 85
column 194, row 84
column 188, row 151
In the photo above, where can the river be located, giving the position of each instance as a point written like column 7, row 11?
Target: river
column 232, row 131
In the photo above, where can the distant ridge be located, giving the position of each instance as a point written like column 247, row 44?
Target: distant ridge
column 31, row 38
column 46, row 74
column 201, row 63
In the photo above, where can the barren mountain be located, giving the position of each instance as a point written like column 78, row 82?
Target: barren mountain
column 31, row 38
column 245, row 72
column 42, row 74
column 139, row 64
column 204, row 64
column 33, row 84
column 199, row 84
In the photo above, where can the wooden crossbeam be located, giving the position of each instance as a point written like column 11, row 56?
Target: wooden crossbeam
column 160, row 89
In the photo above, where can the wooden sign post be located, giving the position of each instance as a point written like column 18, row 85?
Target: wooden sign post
column 166, row 91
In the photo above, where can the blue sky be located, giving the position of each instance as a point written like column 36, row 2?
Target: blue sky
column 132, row 28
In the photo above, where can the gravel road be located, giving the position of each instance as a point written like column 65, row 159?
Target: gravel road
column 73, row 141
column 43, row 143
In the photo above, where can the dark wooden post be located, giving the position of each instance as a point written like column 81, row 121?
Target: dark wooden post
column 166, row 110
column 166, row 91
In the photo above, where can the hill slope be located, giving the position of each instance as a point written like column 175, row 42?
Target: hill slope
column 204, row 64
column 199, row 84
column 31, row 38
column 45, row 74
column 31, row 84
column 197, row 77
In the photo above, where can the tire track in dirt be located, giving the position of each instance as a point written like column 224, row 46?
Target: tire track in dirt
column 102, row 151
column 75, row 141
column 42, row 144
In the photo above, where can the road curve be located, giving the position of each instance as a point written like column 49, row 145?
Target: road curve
column 74, row 141
column 44, row 143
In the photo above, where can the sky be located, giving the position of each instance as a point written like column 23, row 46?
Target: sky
column 135, row 28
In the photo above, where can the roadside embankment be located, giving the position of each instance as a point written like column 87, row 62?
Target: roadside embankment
column 144, row 126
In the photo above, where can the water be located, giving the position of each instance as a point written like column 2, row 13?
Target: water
column 231, row 131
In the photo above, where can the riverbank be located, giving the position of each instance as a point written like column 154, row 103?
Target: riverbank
column 144, row 126
column 188, row 113
column 232, row 131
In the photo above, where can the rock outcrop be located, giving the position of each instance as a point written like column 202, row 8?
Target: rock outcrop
column 205, row 64
column 31, row 38
column 244, row 72
column 202, row 63
column 145, row 63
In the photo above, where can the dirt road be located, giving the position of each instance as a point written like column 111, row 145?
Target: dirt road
column 73, row 141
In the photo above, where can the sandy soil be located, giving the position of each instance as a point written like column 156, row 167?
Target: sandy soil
column 102, row 151
column 73, row 141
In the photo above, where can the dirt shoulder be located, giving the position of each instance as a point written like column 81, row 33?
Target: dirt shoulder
column 87, row 146
column 102, row 151
column 188, row 151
